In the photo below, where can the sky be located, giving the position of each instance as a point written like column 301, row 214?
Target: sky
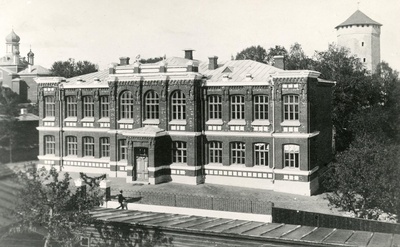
column 101, row 31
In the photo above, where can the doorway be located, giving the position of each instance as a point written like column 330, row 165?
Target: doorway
column 141, row 164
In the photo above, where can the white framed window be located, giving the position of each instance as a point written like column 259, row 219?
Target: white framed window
column 49, row 106
column 260, row 106
column 71, row 106
column 291, row 155
column 104, row 147
column 88, row 106
column 291, row 107
column 49, row 145
column 71, row 145
column 261, row 154
column 126, row 105
column 178, row 105
column 237, row 107
column 238, row 153
column 84, row 241
column 104, row 106
column 88, row 146
column 152, row 105
column 179, row 152
column 215, row 152
column 122, row 149
column 214, row 107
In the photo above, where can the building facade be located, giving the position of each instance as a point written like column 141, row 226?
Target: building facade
column 361, row 35
column 240, row 123
column 17, row 72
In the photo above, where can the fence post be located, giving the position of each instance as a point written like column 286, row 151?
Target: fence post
column 105, row 187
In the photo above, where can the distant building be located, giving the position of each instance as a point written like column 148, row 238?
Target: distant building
column 361, row 35
column 17, row 73
column 239, row 123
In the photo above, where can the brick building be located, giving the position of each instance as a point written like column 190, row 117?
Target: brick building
column 239, row 123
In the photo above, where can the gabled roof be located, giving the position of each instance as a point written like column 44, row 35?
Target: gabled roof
column 35, row 69
column 358, row 17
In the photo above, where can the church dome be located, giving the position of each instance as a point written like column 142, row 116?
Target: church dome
column 30, row 53
column 12, row 37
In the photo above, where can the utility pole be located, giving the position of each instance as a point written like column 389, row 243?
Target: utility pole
column 10, row 149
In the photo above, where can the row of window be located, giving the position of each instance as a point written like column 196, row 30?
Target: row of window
column 178, row 106
column 179, row 151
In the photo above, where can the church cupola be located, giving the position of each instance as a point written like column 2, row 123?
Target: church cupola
column 12, row 43
column 31, row 56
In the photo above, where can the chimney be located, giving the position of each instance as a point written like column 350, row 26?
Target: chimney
column 279, row 62
column 189, row 54
column 212, row 62
column 111, row 68
column 123, row 60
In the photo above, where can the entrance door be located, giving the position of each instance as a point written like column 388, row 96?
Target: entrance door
column 142, row 164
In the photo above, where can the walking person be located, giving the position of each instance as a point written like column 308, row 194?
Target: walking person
column 121, row 200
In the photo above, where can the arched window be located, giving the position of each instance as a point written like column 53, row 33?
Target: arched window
column 49, row 145
column 71, row 145
column 104, row 147
column 238, row 153
column 88, row 146
column 179, row 152
column 237, row 107
column 291, row 107
column 260, row 107
column 104, row 107
column 178, row 106
column 88, row 106
column 152, row 104
column 291, row 155
column 49, row 106
column 71, row 106
column 126, row 105
column 214, row 107
column 215, row 152
column 261, row 154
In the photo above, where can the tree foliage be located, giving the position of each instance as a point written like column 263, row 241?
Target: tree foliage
column 256, row 53
column 364, row 179
column 151, row 60
column 47, row 200
column 70, row 68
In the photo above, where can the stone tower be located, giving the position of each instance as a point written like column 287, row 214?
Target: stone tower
column 361, row 35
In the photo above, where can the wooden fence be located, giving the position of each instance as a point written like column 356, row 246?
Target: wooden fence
column 204, row 202
column 296, row 217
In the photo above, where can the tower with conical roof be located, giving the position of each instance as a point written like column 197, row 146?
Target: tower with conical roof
column 361, row 35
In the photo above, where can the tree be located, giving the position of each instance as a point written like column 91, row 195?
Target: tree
column 256, row 53
column 45, row 200
column 151, row 60
column 297, row 59
column 364, row 178
column 70, row 69
column 276, row 51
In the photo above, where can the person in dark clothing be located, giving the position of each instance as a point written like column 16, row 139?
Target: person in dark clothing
column 121, row 200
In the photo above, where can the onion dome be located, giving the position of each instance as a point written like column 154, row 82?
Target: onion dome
column 12, row 37
column 30, row 53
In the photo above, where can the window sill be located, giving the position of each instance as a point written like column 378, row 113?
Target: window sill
column 178, row 122
column 291, row 123
column 49, row 119
column 71, row 119
column 88, row 119
column 151, row 121
column 237, row 122
column 127, row 121
column 261, row 122
column 215, row 122
column 104, row 120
